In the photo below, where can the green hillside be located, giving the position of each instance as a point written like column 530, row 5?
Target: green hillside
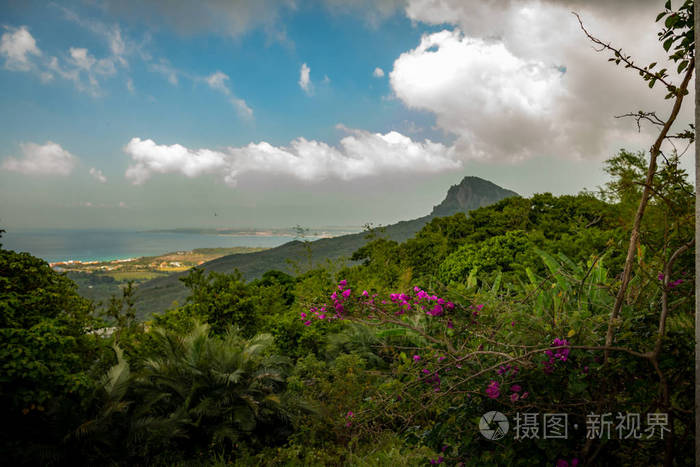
column 159, row 294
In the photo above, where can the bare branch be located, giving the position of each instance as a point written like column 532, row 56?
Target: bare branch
column 621, row 57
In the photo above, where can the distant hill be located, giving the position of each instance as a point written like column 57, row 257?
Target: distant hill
column 471, row 193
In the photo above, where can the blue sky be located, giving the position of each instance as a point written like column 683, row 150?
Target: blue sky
column 154, row 114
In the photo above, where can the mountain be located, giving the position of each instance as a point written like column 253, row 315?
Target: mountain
column 471, row 193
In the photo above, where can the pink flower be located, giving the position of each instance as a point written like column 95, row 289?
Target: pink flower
column 493, row 390
column 365, row 293
column 308, row 323
column 350, row 414
column 516, row 388
column 416, row 358
column 343, row 283
column 346, row 293
column 303, row 315
column 514, row 397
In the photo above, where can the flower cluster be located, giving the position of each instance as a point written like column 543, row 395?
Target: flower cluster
column 515, row 393
column 432, row 378
column 343, row 299
column 562, row 463
column 507, row 370
column 561, row 354
column 493, row 390
column 348, row 417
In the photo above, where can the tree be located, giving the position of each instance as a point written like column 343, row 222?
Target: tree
column 678, row 32
column 45, row 355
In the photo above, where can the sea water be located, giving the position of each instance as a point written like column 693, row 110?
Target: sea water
column 105, row 245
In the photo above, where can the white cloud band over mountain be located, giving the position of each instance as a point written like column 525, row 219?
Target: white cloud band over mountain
column 360, row 154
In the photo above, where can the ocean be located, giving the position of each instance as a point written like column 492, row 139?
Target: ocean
column 105, row 245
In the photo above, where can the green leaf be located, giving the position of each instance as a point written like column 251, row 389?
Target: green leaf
column 668, row 4
column 668, row 43
column 660, row 15
column 671, row 21
column 682, row 65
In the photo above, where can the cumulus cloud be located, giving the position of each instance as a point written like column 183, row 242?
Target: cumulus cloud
column 37, row 159
column 481, row 92
column 147, row 157
column 378, row 72
column 98, row 175
column 17, row 46
column 305, row 79
column 360, row 154
column 514, row 80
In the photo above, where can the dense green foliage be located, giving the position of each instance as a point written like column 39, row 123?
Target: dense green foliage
column 389, row 360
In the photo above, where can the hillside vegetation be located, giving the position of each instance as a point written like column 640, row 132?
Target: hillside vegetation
column 160, row 293
column 572, row 317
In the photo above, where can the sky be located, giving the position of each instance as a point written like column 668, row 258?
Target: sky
column 273, row 113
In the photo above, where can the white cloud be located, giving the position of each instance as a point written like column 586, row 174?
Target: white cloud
column 130, row 85
column 16, row 46
column 305, row 79
column 378, row 72
column 242, row 108
column 148, row 157
column 47, row 159
column 360, row 154
column 523, row 80
column 218, row 81
column 81, row 58
column 481, row 92
column 98, row 175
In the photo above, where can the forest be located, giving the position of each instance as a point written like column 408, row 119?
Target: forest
column 572, row 316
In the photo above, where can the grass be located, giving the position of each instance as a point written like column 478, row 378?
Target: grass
column 137, row 275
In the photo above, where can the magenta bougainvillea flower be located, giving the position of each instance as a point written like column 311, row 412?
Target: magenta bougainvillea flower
column 493, row 390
